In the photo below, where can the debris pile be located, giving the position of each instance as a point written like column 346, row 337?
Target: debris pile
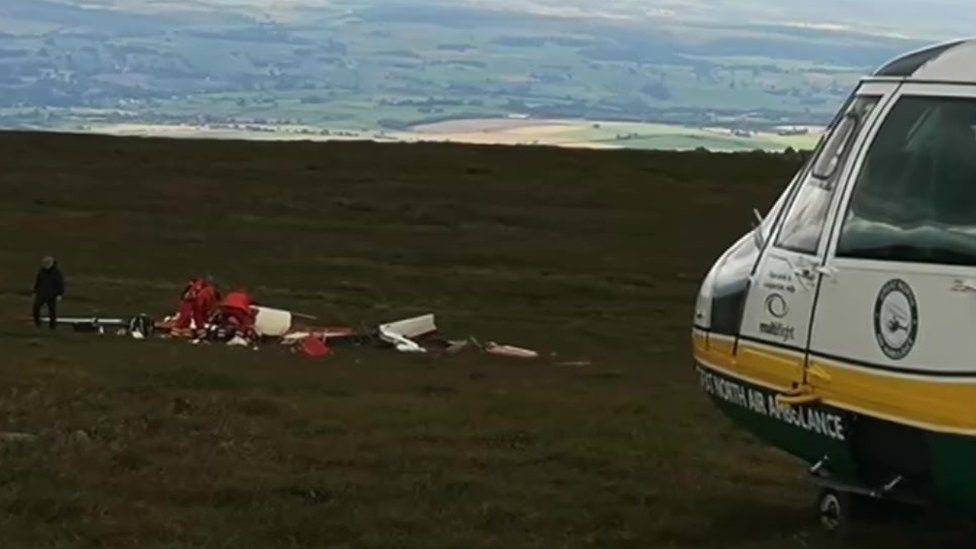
column 204, row 315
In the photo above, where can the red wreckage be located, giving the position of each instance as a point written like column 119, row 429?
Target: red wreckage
column 204, row 315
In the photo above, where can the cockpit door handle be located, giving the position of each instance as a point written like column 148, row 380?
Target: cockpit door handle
column 827, row 271
column 806, row 276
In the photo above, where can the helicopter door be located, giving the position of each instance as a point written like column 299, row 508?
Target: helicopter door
column 894, row 333
column 776, row 319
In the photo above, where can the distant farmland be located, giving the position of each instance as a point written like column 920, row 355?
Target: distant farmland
column 373, row 67
column 501, row 131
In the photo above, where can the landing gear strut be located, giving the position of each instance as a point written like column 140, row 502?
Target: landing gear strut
column 841, row 506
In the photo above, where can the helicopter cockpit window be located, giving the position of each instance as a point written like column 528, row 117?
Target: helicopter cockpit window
column 803, row 226
column 915, row 199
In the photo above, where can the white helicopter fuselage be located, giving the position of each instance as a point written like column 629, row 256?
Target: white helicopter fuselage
column 843, row 328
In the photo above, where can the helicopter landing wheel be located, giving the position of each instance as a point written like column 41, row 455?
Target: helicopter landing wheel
column 836, row 511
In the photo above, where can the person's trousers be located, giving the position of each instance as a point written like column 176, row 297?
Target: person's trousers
column 51, row 303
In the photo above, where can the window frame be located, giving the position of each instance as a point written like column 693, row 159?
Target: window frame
column 844, row 214
column 854, row 151
column 926, row 89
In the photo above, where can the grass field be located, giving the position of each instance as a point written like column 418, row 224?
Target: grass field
column 591, row 255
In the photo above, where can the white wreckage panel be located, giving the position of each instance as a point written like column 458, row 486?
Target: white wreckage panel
column 270, row 322
column 401, row 333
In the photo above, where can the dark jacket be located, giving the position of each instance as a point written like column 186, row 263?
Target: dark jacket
column 49, row 283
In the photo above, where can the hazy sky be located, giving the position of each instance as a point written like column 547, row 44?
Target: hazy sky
column 926, row 19
column 923, row 18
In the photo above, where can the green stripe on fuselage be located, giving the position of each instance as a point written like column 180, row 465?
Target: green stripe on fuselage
column 954, row 470
column 810, row 433
column 953, row 457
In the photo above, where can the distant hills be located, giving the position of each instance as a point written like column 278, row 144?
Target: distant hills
column 371, row 67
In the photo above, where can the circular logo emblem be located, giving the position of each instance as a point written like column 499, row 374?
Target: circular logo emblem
column 896, row 319
column 776, row 305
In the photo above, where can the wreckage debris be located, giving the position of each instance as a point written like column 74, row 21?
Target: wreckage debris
column 455, row 346
column 238, row 341
column 402, row 333
column 332, row 334
column 510, row 351
column 91, row 324
column 142, row 326
column 270, row 322
column 235, row 319
column 313, row 347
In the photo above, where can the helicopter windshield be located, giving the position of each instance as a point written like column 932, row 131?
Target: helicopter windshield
column 804, row 223
column 915, row 199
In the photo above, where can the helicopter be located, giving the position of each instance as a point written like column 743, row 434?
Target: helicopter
column 841, row 328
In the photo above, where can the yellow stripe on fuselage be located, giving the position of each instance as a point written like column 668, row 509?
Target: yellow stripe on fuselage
column 933, row 403
column 773, row 368
column 940, row 404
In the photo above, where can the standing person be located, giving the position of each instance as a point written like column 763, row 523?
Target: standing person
column 184, row 317
column 197, row 303
column 207, row 299
column 48, row 290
